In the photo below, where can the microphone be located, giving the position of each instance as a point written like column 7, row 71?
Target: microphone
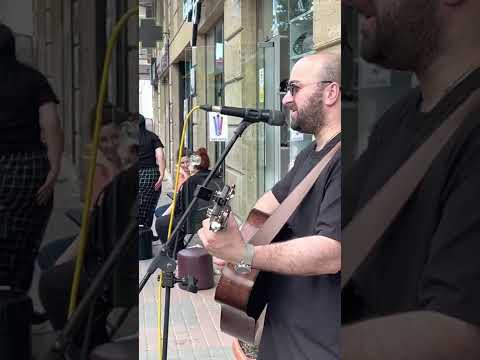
column 271, row 117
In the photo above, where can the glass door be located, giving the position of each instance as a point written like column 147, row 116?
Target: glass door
column 272, row 71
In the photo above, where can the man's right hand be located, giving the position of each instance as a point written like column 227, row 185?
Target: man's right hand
column 45, row 192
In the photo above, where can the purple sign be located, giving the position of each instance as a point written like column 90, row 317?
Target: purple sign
column 218, row 125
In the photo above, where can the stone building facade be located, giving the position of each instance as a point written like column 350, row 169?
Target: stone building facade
column 69, row 40
column 245, row 48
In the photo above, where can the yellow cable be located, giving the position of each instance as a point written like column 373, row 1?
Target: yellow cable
column 172, row 214
column 179, row 160
column 96, row 137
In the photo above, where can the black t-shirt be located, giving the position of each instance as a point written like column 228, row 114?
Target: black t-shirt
column 303, row 316
column 428, row 259
column 22, row 92
column 149, row 142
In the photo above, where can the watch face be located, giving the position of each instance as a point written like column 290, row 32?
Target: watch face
column 242, row 269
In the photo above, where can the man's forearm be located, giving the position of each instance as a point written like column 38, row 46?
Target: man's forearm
column 312, row 255
column 415, row 335
column 55, row 147
column 162, row 167
column 52, row 134
column 161, row 162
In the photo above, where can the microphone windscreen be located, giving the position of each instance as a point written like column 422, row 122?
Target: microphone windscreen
column 277, row 118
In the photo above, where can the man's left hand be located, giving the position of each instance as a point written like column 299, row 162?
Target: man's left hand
column 227, row 244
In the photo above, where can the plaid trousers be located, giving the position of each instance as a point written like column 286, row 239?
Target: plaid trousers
column 22, row 220
column 147, row 196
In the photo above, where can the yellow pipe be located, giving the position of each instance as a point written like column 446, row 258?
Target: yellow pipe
column 93, row 160
column 179, row 160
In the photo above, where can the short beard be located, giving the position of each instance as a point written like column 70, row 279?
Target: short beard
column 406, row 37
column 311, row 118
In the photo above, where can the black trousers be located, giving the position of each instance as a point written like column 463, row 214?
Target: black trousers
column 22, row 220
column 147, row 196
column 54, row 291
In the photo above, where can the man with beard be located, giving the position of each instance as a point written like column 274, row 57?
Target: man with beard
column 416, row 294
column 303, row 315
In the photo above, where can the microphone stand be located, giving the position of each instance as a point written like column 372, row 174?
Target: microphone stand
column 167, row 265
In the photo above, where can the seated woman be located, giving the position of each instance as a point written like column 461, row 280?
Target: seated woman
column 199, row 170
column 183, row 176
column 184, row 170
column 108, row 165
column 55, row 284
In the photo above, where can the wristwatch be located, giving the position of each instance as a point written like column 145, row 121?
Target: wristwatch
column 245, row 265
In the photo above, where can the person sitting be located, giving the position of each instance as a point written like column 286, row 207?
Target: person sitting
column 108, row 164
column 199, row 171
column 182, row 177
column 184, row 171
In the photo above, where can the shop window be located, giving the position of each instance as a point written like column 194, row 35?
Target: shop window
column 215, row 80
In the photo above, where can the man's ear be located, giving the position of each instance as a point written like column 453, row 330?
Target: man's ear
column 332, row 94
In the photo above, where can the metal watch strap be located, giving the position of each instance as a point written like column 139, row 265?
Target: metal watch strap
column 245, row 264
column 249, row 253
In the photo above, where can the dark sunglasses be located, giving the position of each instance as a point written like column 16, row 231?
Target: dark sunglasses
column 294, row 86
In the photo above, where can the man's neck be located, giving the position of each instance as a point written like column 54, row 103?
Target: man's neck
column 442, row 75
column 326, row 134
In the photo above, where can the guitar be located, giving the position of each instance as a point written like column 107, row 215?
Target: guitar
column 243, row 297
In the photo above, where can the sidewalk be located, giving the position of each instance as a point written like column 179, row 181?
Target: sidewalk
column 194, row 332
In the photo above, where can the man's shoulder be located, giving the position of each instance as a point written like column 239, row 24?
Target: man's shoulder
column 153, row 135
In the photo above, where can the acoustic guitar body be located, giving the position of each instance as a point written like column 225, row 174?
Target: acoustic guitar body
column 243, row 296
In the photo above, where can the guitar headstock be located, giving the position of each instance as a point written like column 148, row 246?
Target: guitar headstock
column 221, row 209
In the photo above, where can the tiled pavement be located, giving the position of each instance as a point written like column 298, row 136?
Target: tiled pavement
column 194, row 332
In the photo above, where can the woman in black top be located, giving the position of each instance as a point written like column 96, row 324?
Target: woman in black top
column 199, row 171
column 151, row 168
column 31, row 146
